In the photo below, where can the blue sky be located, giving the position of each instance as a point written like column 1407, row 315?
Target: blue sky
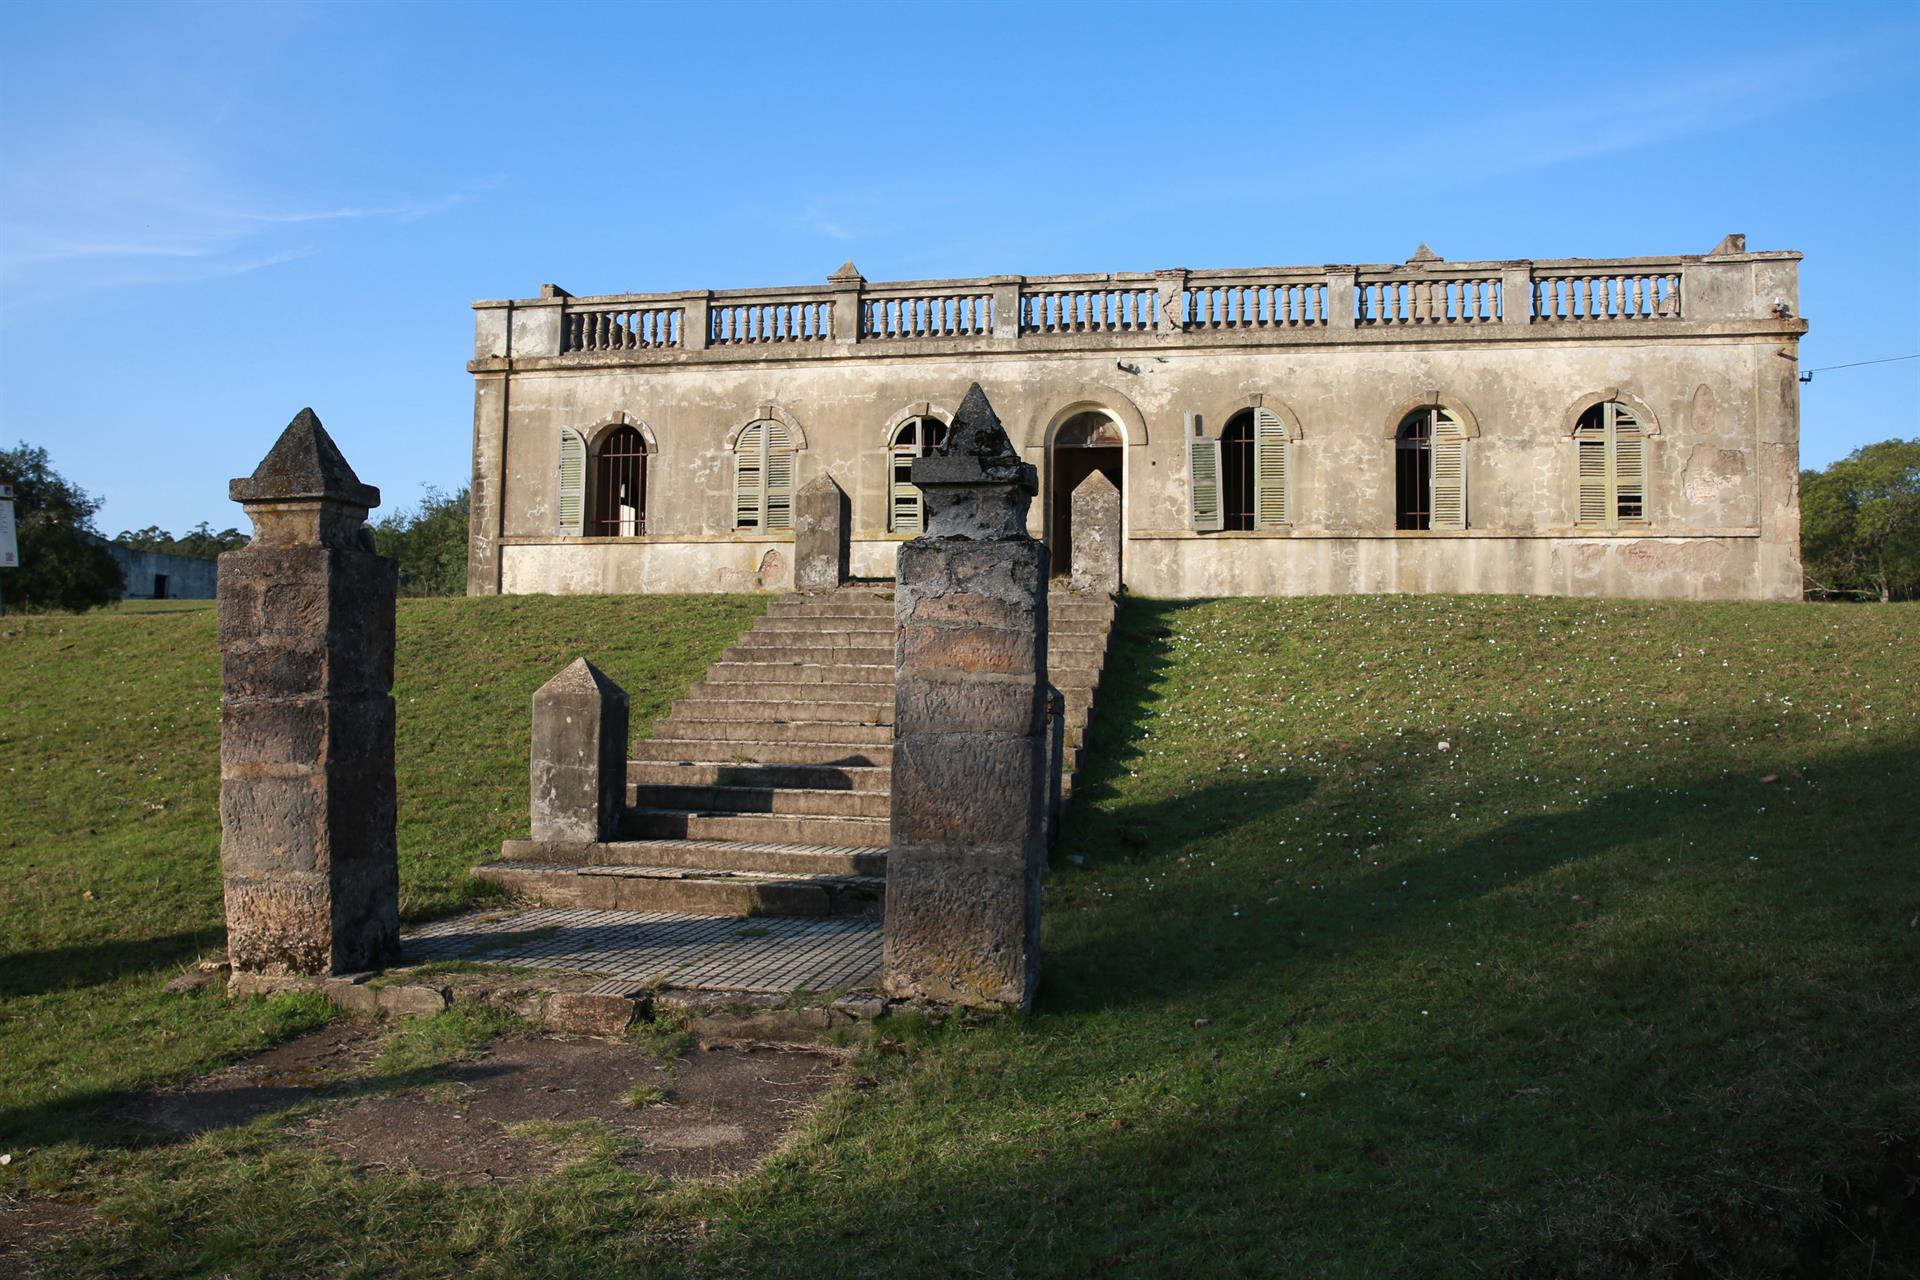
column 212, row 214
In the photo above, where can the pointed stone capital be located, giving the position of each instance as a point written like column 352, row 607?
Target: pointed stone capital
column 304, row 464
column 580, row 677
column 1424, row 254
column 1096, row 485
column 976, row 486
column 847, row 274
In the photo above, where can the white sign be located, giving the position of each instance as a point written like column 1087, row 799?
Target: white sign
column 9, row 546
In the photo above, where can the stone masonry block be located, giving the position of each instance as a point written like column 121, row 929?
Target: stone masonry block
column 936, row 702
column 961, row 937
column 821, row 549
column 1096, row 535
column 578, row 766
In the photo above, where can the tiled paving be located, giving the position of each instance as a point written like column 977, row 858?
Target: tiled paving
column 636, row 949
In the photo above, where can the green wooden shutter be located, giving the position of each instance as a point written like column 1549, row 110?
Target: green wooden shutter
column 779, row 475
column 750, row 477
column 1449, row 472
column 1203, row 462
column 1593, row 507
column 903, row 500
column 1629, row 465
column 1270, row 479
column 570, row 503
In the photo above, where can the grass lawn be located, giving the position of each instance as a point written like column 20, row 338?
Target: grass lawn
column 1407, row 936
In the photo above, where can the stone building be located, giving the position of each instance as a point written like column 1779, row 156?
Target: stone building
column 157, row 575
column 1620, row 427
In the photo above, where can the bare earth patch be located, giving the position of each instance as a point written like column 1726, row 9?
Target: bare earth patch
column 723, row 1112
column 525, row 1108
column 281, row 1077
column 25, row 1224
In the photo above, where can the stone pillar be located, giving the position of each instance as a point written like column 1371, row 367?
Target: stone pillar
column 970, row 708
column 820, row 547
column 578, row 768
column 846, row 284
column 306, row 719
column 1096, row 535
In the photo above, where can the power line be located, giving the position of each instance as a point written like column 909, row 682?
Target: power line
column 1806, row 375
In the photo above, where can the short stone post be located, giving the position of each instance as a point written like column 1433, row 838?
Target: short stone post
column 306, row 719
column 578, row 768
column 820, row 545
column 1096, row 535
column 970, row 721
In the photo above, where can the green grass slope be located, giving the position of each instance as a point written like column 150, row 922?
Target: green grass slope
column 1388, row 936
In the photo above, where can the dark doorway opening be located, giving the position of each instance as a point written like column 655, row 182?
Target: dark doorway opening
column 1085, row 443
column 1236, row 472
column 1413, row 472
column 159, row 586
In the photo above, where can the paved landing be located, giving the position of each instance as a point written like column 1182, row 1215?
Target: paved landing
column 637, row 949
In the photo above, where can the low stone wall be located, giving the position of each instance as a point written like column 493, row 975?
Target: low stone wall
column 1185, row 566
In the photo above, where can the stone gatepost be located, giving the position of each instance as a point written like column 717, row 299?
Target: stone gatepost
column 306, row 719
column 820, row 529
column 970, row 721
column 1096, row 535
column 579, row 761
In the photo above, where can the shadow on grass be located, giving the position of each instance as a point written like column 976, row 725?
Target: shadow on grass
column 147, row 1118
column 32, row 973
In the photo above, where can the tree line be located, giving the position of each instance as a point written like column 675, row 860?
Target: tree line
column 65, row 563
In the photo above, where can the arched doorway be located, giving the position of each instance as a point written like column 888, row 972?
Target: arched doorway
column 1086, row 442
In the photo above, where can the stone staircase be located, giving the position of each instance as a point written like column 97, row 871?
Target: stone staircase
column 766, row 791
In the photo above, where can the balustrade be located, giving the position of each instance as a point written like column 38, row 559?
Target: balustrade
column 1426, row 300
column 1090, row 309
column 624, row 328
column 739, row 323
column 1606, row 296
column 1010, row 308
column 945, row 315
column 1255, row 305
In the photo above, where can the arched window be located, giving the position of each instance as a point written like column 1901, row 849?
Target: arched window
column 1612, row 450
column 763, row 477
column 914, row 438
column 620, row 485
column 1429, row 471
column 1255, row 456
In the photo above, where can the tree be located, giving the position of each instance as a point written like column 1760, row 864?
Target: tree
column 200, row 542
column 1860, row 523
column 63, row 563
column 428, row 543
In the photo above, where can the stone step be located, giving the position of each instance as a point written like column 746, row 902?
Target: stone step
column 728, row 857
column 879, row 693
column 812, row 654
column 784, row 710
column 779, row 800
column 763, row 668
column 702, row 729
column 686, row 892
column 878, row 630
column 828, row 631
column 778, row 828
column 665, row 773
column 750, row 754
column 1070, row 642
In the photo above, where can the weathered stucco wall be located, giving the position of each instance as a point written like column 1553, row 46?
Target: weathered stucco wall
column 1716, row 392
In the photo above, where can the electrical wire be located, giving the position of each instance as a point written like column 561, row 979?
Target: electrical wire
column 1806, row 375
